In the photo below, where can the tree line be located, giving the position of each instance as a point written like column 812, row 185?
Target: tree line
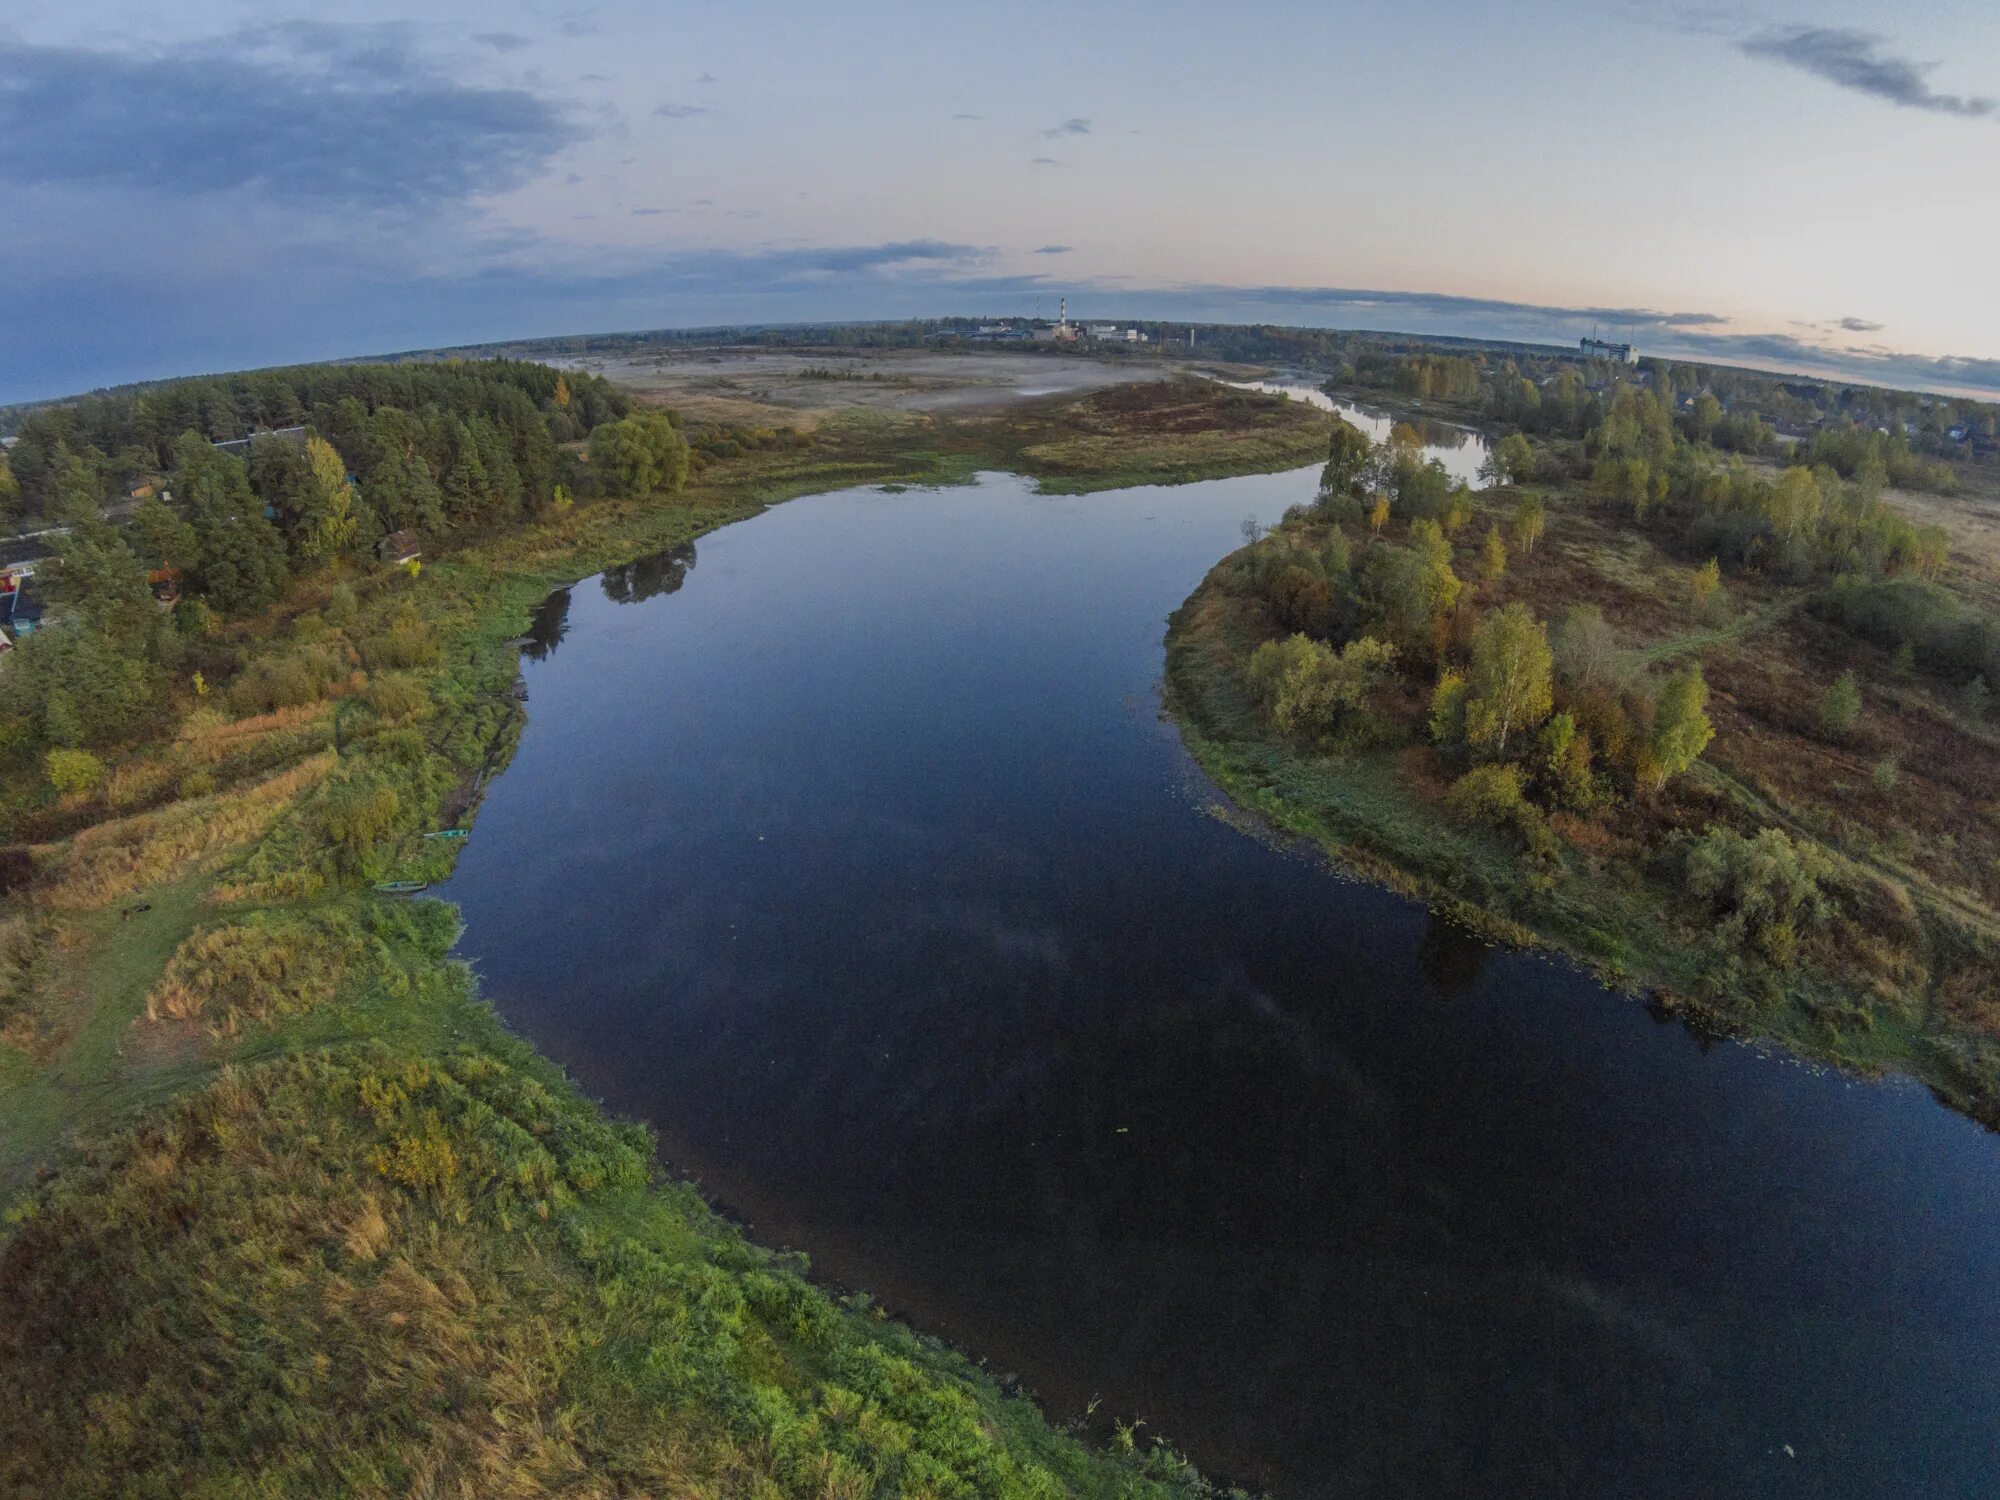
column 510, row 412
column 225, row 534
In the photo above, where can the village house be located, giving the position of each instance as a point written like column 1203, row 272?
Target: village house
column 399, row 548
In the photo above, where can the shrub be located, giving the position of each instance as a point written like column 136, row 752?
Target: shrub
column 1300, row 598
column 73, row 772
column 404, row 644
column 1840, row 709
column 300, row 676
column 1886, row 774
column 357, row 816
column 394, row 697
column 1310, row 688
column 1490, row 794
column 1495, row 795
column 1764, row 889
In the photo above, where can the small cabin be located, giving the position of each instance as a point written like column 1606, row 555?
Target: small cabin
column 13, row 589
column 399, row 548
column 166, row 586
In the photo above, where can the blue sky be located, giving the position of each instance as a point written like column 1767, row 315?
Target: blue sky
column 227, row 185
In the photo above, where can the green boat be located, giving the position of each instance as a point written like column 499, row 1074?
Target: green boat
column 450, row 833
column 402, row 887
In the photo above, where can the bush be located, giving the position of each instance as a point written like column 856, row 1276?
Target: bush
column 394, row 697
column 1764, row 889
column 1310, row 689
column 73, row 772
column 303, row 675
column 1495, row 795
column 1886, row 774
column 1840, row 709
column 358, row 816
column 1490, row 794
column 1300, row 598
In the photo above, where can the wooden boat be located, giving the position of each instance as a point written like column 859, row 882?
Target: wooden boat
column 402, row 887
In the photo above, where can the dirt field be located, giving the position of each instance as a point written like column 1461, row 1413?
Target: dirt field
column 772, row 388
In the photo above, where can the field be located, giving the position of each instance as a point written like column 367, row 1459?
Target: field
column 284, row 1200
column 808, row 385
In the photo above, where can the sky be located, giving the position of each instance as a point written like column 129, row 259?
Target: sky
column 219, row 185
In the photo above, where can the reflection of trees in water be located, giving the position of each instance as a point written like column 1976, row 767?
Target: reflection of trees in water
column 649, row 577
column 1453, row 957
column 547, row 627
column 1439, row 434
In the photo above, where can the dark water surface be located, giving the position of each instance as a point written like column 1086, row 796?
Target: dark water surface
column 856, row 859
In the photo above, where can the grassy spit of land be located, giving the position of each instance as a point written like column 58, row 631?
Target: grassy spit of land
column 290, row 1212
column 1825, row 874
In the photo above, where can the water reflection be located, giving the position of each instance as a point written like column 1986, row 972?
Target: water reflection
column 1460, row 451
column 1452, row 956
column 547, row 626
column 649, row 577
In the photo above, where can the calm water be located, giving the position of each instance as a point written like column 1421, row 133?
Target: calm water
column 855, row 857
column 1459, row 449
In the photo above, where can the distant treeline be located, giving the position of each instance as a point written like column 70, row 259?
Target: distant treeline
column 386, row 420
column 225, row 531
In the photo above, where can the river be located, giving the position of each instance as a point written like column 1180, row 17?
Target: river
column 1458, row 450
column 853, row 853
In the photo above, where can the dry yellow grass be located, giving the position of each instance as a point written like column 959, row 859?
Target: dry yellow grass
column 254, row 969
column 114, row 859
column 211, row 738
column 208, row 742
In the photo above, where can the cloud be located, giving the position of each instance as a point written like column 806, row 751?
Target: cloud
column 1074, row 125
column 1860, row 325
column 503, row 41
column 680, row 111
column 71, row 326
column 341, row 116
column 1053, row 249
column 1445, row 304
column 1855, row 60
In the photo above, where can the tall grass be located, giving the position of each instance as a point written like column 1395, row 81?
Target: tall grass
column 366, row 1275
column 118, row 858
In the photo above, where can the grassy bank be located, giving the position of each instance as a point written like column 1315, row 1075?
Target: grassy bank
column 1891, row 967
column 290, row 1212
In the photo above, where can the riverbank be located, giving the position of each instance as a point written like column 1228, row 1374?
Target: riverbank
column 1890, row 961
column 278, row 1178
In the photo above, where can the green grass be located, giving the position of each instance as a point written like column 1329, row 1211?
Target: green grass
column 91, row 1077
column 348, row 1235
